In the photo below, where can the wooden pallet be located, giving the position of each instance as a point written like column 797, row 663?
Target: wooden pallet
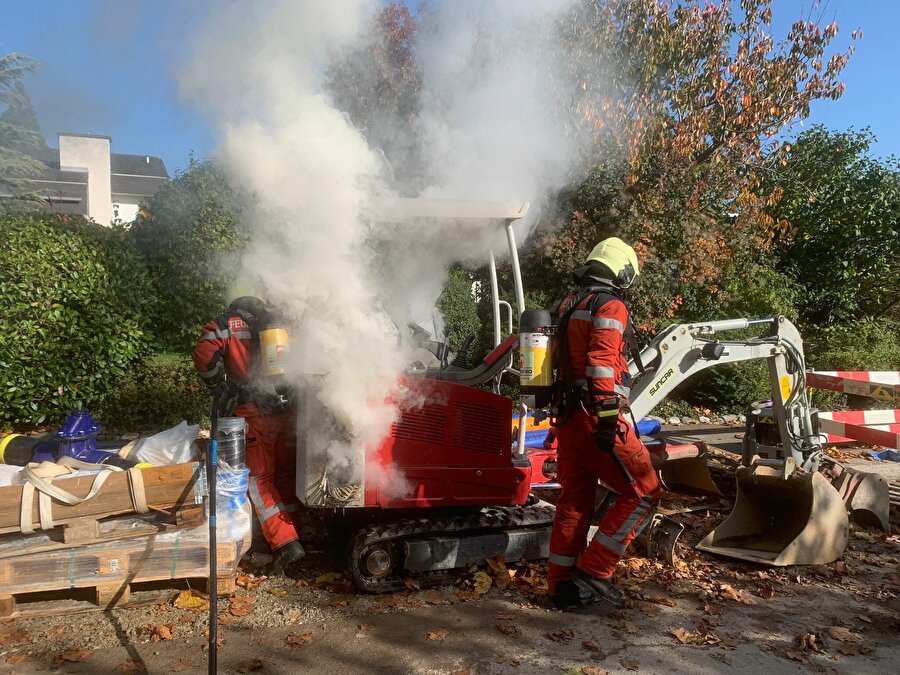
column 101, row 565
column 118, row 595
column 87, row 530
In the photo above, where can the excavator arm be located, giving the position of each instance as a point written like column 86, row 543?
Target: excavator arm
column 682, row 351
column 792, row 500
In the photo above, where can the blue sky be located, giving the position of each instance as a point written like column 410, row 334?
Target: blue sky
column 107, row 67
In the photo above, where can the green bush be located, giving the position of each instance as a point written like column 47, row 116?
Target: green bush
column 861, row 345
column 752, row 292
column 156, row 394
column 77, row 308
column 191, row 234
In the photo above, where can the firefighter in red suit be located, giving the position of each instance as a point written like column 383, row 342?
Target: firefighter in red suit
column 228, row 353
column 596, row 440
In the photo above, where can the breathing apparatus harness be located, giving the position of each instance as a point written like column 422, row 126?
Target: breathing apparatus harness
column 567, row 396
column 269, row 390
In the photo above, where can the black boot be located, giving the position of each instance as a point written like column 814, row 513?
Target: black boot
column 603, row 590
column 568, row 595
column 291, row 552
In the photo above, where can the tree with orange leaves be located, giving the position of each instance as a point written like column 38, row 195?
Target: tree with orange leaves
column 685, row 103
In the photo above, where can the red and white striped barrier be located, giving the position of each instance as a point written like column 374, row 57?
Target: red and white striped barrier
column 883, row 385
column 875, row 427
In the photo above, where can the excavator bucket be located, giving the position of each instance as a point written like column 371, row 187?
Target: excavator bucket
column 781, row 519
column 867, row 496
column 683, row 468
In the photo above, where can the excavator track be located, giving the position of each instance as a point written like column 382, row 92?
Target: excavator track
column 380, row 555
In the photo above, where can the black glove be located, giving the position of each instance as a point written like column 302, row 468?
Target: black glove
column 216, row 381
column 607, row 422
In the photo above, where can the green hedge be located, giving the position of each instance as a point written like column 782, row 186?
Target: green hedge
column 156, row 394
column 860, row 345
column 77, row 311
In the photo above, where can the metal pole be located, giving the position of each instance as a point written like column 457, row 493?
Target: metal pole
column 516, row 270
column 212, row 461
column 495, row 298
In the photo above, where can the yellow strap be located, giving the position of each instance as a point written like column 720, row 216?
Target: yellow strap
column 608, row 413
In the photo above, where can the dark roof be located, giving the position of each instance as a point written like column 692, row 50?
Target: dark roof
column 130, row 165
column 138, row 165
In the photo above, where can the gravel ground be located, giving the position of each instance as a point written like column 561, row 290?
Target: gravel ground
column 705, row 615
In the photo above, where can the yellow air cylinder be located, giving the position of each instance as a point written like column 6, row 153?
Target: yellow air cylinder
column 273, row 346
column 535, row 357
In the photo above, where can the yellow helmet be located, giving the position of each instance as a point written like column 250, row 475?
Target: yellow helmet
column 619, row 258
column 243, row 287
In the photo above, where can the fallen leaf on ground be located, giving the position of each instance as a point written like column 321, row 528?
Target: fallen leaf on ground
column 682, row 635
column 629, row 663
column 132, row 666
column 299, row 639
column 593, row 670
column 163, row 631
column 17, row 659
column 436, row 635
column 434, row 598
column 854, row 648
column 712, row 609
column 279, row 592
column 659, row 600
column 497, row 564
column 183, row 666
column 248, row 581
column 301, row 583
column 624, row 625
column 504, row 616
column 565, row 634
column 413, row 584
column 239, row 610
column 591, row 644
column 863, row 617
column 463, row 671
column 252, row 666
column 483, row 582
column 11, row 638
column 840, row 633
column 337, row 602
column 192, row 599
column 795, row 655
column 809, row 642
column 731, row 593
column 329, row 578
column 75, row 655
column 766, row 592
column 510, row 629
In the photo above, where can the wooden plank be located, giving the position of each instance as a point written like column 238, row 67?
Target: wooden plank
column 111, row 530
column 166, row 487
column 7, row 604
column 103, row 597
column 190, row 515
column 81, row 531
column 87, row 567
column 110, row 595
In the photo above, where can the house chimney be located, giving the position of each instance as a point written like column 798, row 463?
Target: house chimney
column 90, row 154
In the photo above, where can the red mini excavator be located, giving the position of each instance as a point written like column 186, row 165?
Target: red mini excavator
column 469, row 478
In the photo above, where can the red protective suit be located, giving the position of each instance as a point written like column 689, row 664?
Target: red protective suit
column 228, row 342
column 598, row 368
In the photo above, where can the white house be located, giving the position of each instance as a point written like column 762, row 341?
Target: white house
column 83, row 177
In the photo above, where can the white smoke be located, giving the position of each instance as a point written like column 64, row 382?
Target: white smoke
column 491, row 130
